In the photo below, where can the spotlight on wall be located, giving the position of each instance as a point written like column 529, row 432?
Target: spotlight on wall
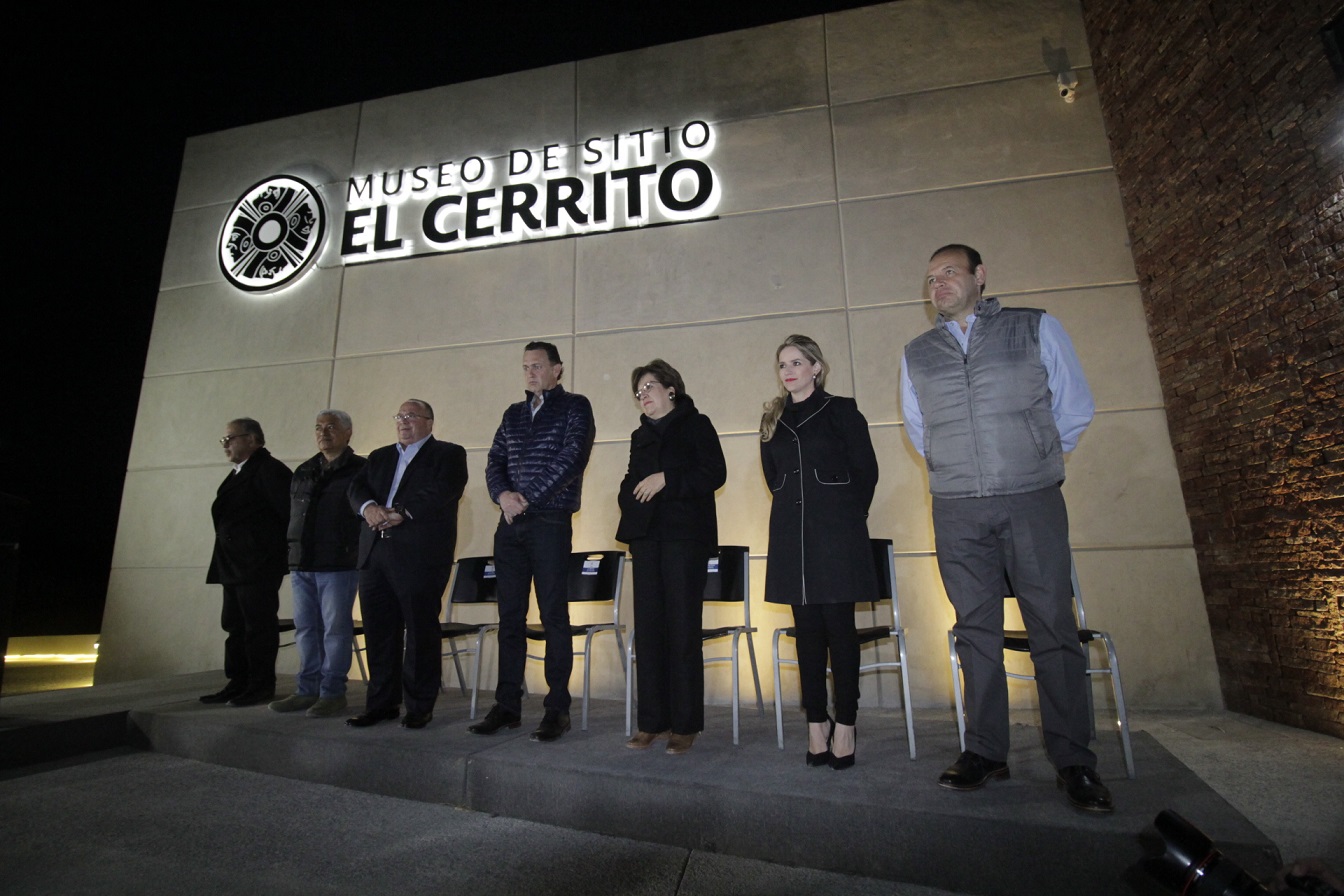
column 1068, row 86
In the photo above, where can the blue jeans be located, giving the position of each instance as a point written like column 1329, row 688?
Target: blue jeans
column 323, row 606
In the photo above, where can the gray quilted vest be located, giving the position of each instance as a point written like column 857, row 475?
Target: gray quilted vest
column 988, row 429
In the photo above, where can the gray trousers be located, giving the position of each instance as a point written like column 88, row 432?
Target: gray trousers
column 1026, row 536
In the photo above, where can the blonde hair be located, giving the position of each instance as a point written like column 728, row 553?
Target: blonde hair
column 774, row 408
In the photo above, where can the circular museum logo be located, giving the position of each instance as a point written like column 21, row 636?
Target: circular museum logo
column 272, row 234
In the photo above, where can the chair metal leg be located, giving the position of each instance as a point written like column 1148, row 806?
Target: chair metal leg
column 587, row 676
column 737, row 696
column 359, row 657
column 629, row 684
column 1091, row 701
column 457, row 665
column 956, row 688
column 624, row 658
column 476, row 670
column 779, row 704
column 1122, row 715
column 755, row 675
column 907, row 706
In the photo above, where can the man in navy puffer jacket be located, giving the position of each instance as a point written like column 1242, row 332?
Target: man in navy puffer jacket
column 535, row 474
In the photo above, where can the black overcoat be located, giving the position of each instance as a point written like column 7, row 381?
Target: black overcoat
column 822, row 472
column 685, row 448
column 251, row 513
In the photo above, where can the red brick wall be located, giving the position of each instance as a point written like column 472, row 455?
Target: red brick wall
column 1226, row 126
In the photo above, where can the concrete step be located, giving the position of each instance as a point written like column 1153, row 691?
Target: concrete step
column 885, row 818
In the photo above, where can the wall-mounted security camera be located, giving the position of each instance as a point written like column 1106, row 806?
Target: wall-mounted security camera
column 1068, row 86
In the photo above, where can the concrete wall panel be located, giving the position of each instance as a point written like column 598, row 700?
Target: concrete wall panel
column 1110, row 334
column 484, row 118
column 214, row 326
column 469, row 388
column 775, row 162
column 181, row 418
column 218, row 167
column 1064, row 232
column 510, row 293
column 165, row 517
column 992, row 132
column 776, row 68
column 713, row 270
column 1137, row 596
column 1122, row 485
column 918, row 45
column 159, row 621
column 902, row 509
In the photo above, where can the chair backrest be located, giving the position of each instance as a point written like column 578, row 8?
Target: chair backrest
column 473, row 581
column 1078, row 612
column 595, row 575
column 727, row 579
column 884, row 561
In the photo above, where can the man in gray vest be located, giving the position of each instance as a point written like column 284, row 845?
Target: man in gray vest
column 992, row 399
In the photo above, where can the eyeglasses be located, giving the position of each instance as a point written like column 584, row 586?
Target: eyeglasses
column 227, row 439
column 644, row 389
column 407, row 418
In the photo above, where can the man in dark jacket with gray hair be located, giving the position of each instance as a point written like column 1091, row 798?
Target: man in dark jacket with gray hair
column 535, row 474
column 323, row 548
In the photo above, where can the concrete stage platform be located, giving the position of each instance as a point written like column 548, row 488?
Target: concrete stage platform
column 884, row 820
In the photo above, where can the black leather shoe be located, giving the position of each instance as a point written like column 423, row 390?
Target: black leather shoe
column 498, row 717
column 228, row 692
column 553, row 724
column 1084, row 789
column 372, row 717
column 416, row 720
column 251, row 697
column 971, row 771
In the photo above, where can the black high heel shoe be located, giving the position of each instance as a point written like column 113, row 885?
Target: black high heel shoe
column 839, row 763
column 818, row 759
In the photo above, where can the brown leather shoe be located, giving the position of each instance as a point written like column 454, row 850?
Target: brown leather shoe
column 643, row 739
column 679, row 743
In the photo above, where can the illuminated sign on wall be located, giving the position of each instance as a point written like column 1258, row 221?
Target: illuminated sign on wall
column 272, row 234
column 648, row 176
column 657, row 175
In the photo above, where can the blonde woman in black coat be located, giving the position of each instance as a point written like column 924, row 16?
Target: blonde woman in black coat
column 819, row 463
column 669, row 521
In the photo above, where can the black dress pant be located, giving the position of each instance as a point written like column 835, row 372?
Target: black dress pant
column 535, row 547
column 400, row 603
column 669, row 601
column 250, row 619
column 827, row 630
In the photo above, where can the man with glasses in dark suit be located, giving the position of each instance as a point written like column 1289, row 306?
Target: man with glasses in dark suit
column 407, row 494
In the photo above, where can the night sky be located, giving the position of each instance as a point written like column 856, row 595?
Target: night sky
column 101, row 104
